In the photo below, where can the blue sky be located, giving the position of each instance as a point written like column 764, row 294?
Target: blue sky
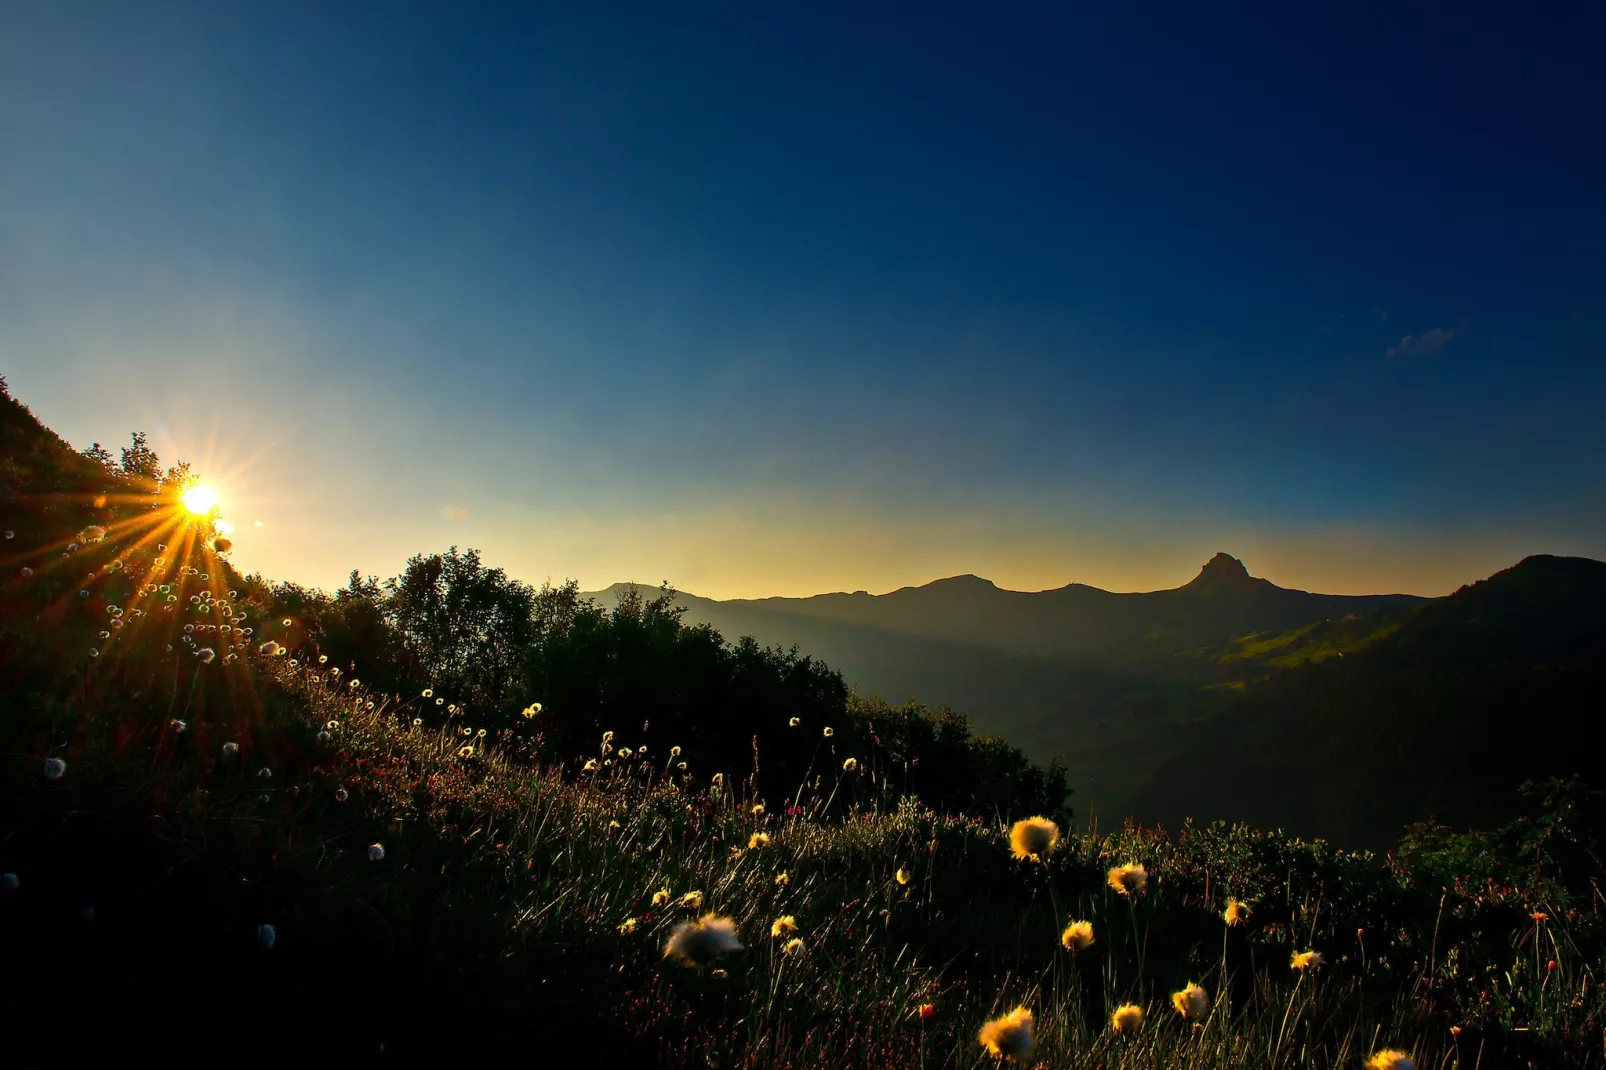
column 780, row 303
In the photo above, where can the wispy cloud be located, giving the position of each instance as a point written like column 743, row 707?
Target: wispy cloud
column 1422, row 345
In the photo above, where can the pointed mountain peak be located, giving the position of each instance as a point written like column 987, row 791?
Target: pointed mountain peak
column 1223, row 573
column 1225, row 566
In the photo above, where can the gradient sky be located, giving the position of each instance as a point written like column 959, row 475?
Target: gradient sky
column 776, row 305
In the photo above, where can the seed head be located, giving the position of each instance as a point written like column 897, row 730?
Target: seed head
column 1128, row 1018
column 1033, row 838
column 1009, row 1037
column 1192, row 1003
column 54, row 768
column 1129, row 880
column 702, row 941
column 1078, row 936
column 1236, row 913
column 1304, row 960
column 1390, row 1059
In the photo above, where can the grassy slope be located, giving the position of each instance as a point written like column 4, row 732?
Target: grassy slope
column 491, row 927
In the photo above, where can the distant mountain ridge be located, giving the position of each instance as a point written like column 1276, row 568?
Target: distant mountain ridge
column 1077, row 623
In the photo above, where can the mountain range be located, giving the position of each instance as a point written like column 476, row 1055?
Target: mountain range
column 1231, row 697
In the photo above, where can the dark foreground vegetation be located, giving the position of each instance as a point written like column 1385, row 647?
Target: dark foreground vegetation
column 453, row 818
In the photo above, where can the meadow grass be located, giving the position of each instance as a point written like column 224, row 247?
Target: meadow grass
column 432, row 887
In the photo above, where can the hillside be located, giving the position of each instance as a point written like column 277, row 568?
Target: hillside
column 215, row 834
column 1444, row 714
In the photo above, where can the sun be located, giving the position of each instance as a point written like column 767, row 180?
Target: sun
column 200, row 499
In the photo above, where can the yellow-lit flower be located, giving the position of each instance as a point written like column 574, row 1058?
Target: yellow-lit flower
column 829, row 731
column 627, row 926
column 850, row 765
column 758, row 809
column 903, row 875
column 1009, row 1037
column 1236, row 913
column 782, row 925
column 792, row 948
column 1129, row 879
column 692, row 900
column 1192, row 1003
column 700, row 942
column 1390, row 1059
column 782, row 879
column 759, row 839
column 660, row 897
column 1128, row 1018
column 1078, row 936
column 793, row 723
column 1033, row 838
column 1304, row 960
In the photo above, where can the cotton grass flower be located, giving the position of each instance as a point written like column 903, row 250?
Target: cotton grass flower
column 1304, row 960
column 1033, row 838
column 902, row 876
column 660, row 897
column 1127, row 1019
column 267, row 936
column 376, row 852
column 1236, row 913
column 1009, row 1037
column 230, row 749
column 590, row 766
column 702, row 941
column 1129, row 880
column 792, row 948
column 1192, row 1003
column 10, row 881
column 627, row 926
column 829, row 731
column 1078, row 936
column 758, row 839
column 782, row 879
column 793, row 723
column 758, row 810
column 1390, row 1059
column 692, row 900
column 54, row 768
column 783, row 926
